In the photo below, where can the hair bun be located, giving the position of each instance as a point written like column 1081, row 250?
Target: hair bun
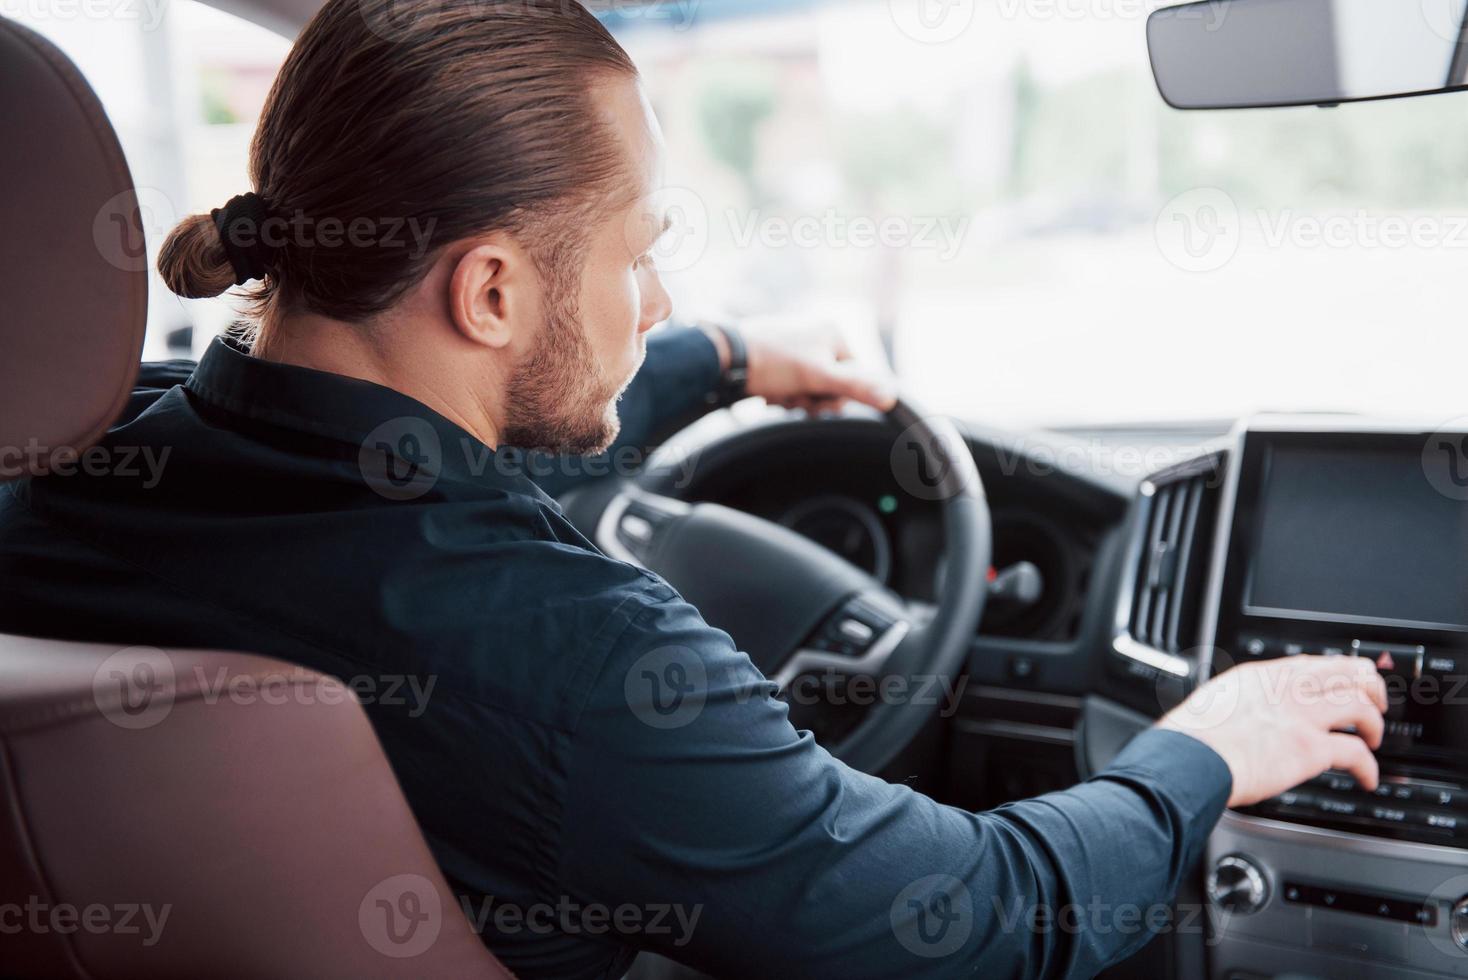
column 193, row 262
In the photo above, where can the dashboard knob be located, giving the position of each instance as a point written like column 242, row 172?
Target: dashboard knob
column 1459, row 922
column 1236, row 885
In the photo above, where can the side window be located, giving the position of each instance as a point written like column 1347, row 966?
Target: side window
column 183, row 84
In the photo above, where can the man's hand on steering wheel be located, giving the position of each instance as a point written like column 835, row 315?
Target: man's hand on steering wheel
column 817, row 378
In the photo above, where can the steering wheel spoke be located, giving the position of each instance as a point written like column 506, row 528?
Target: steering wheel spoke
column 635, row 521
column 856, row 639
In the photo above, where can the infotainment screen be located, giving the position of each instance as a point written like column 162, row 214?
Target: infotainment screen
column 1358, row 536
column 1348, row 543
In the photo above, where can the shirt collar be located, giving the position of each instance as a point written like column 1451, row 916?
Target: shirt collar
column 369, row 416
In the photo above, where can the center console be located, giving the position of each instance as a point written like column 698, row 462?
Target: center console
column 1349, row 542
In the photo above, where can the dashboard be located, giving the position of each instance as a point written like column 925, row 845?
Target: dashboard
column 1306, row 537
column 839, row 492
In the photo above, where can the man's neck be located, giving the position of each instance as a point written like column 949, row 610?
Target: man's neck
column 369, row 354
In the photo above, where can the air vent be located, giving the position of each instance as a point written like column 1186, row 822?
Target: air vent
column 1178, row 531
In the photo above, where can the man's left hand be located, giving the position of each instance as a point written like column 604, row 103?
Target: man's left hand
column 819, row 380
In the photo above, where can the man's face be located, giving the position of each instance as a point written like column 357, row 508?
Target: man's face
column 563, row 395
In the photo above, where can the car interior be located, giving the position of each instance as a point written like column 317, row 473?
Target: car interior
column 1050, row 584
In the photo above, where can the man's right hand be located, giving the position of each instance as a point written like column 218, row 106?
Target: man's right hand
column 1279, row 723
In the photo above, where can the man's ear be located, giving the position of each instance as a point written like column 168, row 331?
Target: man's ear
column 491, row 293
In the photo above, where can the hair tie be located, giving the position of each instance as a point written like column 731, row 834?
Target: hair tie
column 239, row 224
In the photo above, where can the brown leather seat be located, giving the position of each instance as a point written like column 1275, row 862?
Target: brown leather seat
column 166, row 813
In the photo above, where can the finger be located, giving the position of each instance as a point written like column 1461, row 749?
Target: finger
column 827, row 406
column 1344, row 707
column 1361, row 672
column 833, row 384
column 1349, row 754
column 1374, row 687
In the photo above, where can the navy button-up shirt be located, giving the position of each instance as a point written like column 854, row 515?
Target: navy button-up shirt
column 596, row 769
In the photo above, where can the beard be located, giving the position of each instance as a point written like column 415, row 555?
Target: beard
column 559, row 399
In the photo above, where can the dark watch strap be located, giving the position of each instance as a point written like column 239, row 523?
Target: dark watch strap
column 734, row 382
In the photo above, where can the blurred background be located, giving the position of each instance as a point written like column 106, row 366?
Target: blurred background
column 991, row 195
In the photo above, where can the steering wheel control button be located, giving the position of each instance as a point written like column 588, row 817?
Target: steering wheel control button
column 856, row 631
column 852, row 629
column 1237, row 885
column 638, row 529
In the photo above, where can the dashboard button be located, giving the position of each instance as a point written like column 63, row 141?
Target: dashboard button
column 1335, row 782
column 1295, row 797
column 1443, row 821
column 1399, row 792
column 1400, row 659
column 1338, row 807
column 1439, row 796
column 1255, row 646
column 1443, row 664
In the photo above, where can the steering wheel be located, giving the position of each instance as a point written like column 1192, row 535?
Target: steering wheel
column 797, row 608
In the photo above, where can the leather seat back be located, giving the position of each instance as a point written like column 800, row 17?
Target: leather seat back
column 182, row 813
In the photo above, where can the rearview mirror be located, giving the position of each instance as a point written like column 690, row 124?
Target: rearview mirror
column 1235, row 54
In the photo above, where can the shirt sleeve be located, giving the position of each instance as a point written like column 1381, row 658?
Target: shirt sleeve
column 670, row 392
column 690, row 795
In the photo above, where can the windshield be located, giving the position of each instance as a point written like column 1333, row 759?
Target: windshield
column 998, row 191
column 992, row 194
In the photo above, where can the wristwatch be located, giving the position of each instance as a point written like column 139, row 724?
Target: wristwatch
column 733, row 383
